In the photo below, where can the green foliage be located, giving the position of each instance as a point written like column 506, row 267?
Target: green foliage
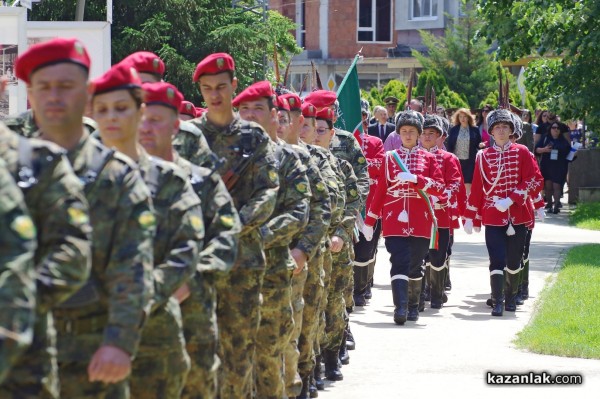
column 567, row 322
column 183, row 32
column 514, row 94
column 451, row 99
column 461, row 59
column 393, row 88
column 586, row 216
column 569, row 85
column 430, row 78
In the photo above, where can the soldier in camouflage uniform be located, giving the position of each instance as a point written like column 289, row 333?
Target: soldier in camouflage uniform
column 17, row 272
column 98, row 327
column 307, row 286
column 162, row 363
column 58, row 208
column 258, row 104
column 222, row 226
column 249, row 172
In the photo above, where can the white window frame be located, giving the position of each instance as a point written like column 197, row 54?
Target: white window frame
column 373, row 27
column 426, row 18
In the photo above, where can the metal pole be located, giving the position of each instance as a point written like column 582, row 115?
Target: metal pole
column 79, row 10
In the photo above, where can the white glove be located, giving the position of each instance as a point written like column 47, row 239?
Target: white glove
column 407, row 176
column 468, row 226
column 434, row 199
column 541, row 214
column 503, row 204
column 368, row 232
column 477, row 229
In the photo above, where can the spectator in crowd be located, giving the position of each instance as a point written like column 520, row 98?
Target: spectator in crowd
column 381, row 128
column 527, row 137
column 526, row 117
column 543, row 125
column 575, row 134
column 463, row 141
column 554, row 149
column 487, row 140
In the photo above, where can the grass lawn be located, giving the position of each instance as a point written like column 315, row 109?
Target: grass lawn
column 586, row 216
column 567, row 320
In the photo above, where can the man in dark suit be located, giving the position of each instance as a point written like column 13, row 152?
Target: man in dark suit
column 391, row 105
column 381, row 128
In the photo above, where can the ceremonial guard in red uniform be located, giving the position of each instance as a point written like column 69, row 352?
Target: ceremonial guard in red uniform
column 505, row 177
column 365, row 251
column 410, row 175
column 445, row 207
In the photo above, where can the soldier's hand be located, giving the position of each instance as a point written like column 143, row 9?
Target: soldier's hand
column 109, row 365
column 300, row 258
column 182, row 293
column 337, row 243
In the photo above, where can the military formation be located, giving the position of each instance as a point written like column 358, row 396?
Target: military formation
column 152, row 249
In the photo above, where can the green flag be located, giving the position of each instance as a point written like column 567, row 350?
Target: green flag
column 348, row 95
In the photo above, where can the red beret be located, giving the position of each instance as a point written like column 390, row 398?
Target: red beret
column 293, row 100
column 187, row 108
column 200, row 112
column 52, row 52
column 146, row 62
column 283, row 104
column 321, row 98
column 120, row 76
column 262, row 89
column 309, row 110
column 162, row 93
column 214, row 64
column 325, row 114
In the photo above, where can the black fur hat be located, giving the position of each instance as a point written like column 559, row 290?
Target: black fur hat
column 500, row 116
column 409, row 118
column 434, row 122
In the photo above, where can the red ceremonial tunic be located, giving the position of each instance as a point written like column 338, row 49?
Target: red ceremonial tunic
column 504, row 172
column 403, row 211
column 447, row 208
column 372, row 148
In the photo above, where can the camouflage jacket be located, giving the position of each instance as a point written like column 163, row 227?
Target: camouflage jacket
column 353, row 204
column 59, row 210
column 308, row 240
column 338, row 175
column 17, row 246
column 291, row 208
column 191, row 144
column 124, row 226
column 24, row 124
column 221, row 221
column 179, row 225
column 344, row 146
column 255, row 192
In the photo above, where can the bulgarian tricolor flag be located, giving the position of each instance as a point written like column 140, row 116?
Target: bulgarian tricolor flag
column 348, row 95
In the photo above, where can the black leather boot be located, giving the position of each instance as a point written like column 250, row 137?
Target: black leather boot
column 350, row 342
column 497, row 285
column 400, row 294
column 343, row 352
column 304, row 391
column 510, row 291
column 317, row 374
column 332, row 369
column 437, row 278
column 422, row 296
column 313, row 391
column 414, row 293
column 448, row 284
column 426, row 289
column 525, row 280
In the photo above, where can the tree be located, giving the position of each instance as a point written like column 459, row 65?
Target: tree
column 566, row 35
column 182, row 32
column 444, row 95
column 462, row 60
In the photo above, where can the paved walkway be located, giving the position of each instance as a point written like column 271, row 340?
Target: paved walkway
column 448, row 352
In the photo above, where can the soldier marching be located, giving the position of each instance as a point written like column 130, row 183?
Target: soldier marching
column 154, row 249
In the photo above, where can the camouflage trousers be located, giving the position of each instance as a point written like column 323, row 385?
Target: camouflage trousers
column 238, row 316
column 349, row 288
column 77, row 340
column 200, row 331
column 35, row 374
column 335, row 312
column 162, row 363
column 327, row 269
column 313, row 294
column 293, row 384
column 276, row 324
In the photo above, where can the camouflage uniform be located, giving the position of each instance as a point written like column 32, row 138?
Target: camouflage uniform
column 59, row 210
column 315, row 283
column 162, row 363
column 17, row 273
column 342, row 263
column 111, row 307
column 222, row 226
column 24, row 124
column 276, row 324
column 309, row 241
column 238, row 294
column 191, row 144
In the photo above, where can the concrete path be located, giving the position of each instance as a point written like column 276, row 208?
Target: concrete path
column 447, row 352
